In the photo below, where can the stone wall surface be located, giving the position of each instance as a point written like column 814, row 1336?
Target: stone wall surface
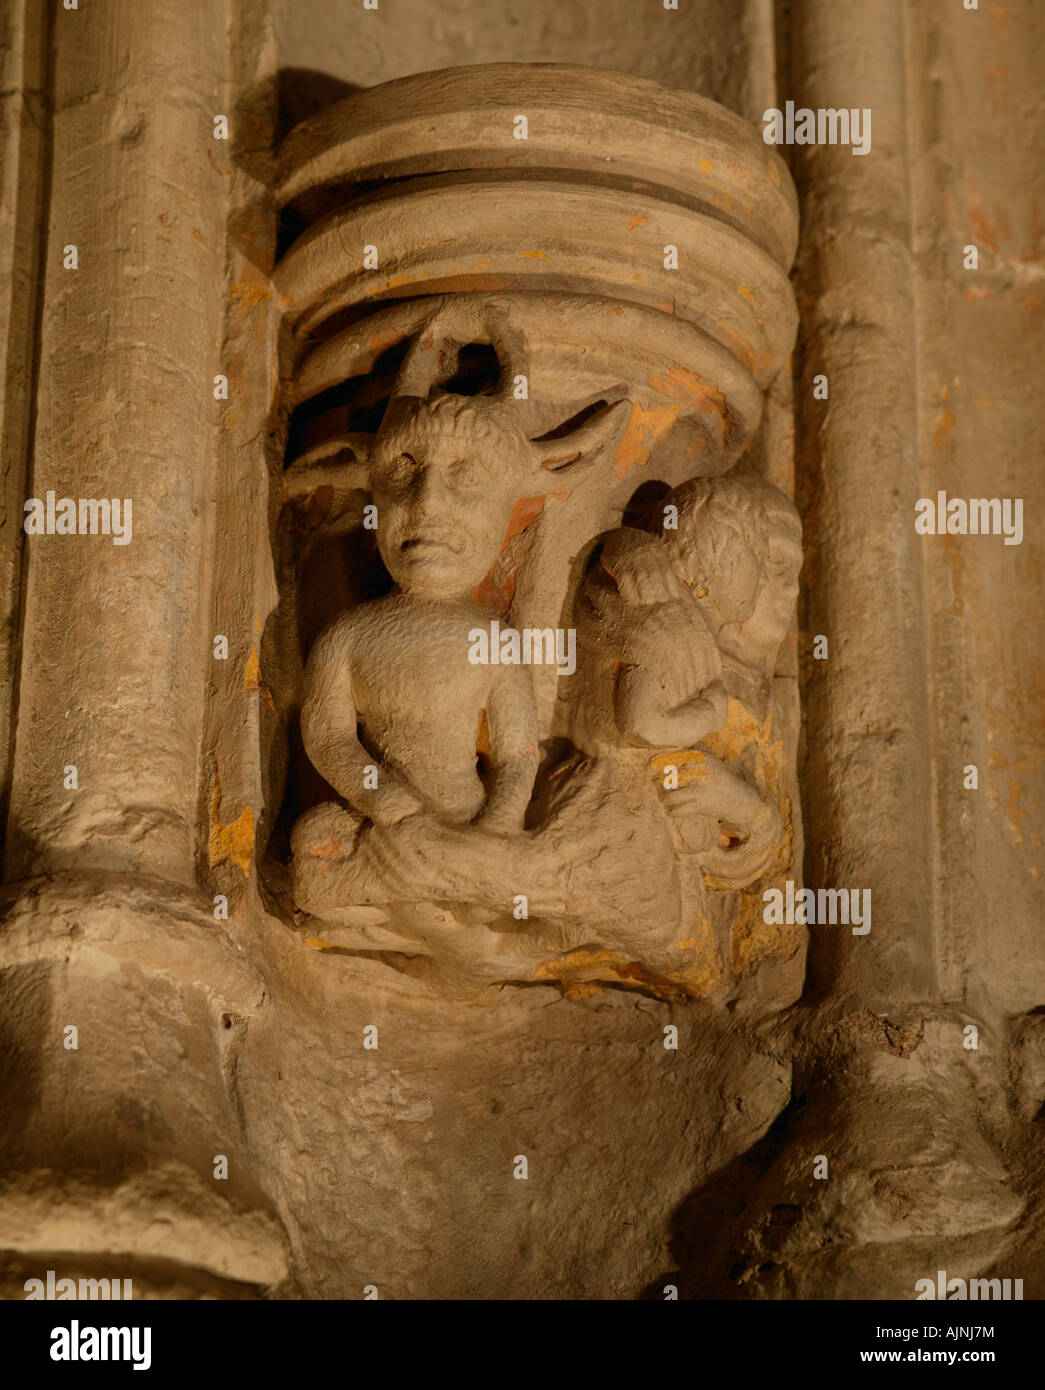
column 647, row 1081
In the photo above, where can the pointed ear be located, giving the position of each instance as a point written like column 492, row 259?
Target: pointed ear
column 599, row 428
column 343, row 459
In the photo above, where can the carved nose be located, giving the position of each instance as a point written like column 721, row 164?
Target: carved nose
column 433, row 494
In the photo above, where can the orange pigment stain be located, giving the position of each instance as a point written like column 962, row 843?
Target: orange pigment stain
column 943, row 429
column 983, row 231
column 496, row 597
column 683, row 385
column 645, row 429
column 1014, row 813
column 553, row 459
column 525, row 511
column 330, row 849
column 497, row 594
column 637, row 222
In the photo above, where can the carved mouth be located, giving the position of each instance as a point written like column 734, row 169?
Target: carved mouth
column 418, row 546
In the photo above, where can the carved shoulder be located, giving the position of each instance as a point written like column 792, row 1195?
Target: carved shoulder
column 329, row 661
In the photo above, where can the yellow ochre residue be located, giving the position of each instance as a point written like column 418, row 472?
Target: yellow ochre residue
column 246, row 295
column 704, row 975
column 690, row 763
column 753, row 939
column 252, row 672
column 943, row 429
column 583, row 973
column 232, row 841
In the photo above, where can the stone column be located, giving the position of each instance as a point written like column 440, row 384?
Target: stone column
column 121, row 1000
column 23, row 178
column 868, row 785
column 911, row 1120
column 112, row 640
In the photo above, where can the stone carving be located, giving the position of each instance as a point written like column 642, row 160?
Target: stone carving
column 444, row 474
column 397, row 720
column 164, row 1002
column 555, row 732
column 667, row 624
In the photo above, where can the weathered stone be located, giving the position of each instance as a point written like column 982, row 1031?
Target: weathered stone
column 394, row 391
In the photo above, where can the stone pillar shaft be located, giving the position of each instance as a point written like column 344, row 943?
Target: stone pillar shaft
column 112, row 645
column 869, row 781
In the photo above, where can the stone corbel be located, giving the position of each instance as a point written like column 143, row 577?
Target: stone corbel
column 575, row 283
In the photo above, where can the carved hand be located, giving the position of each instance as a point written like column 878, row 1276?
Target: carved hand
column 393, row 802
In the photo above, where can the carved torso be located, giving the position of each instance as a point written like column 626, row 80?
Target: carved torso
column 420, row 704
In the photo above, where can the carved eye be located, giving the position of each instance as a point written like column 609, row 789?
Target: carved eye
column 465, row 474
column 400, row 471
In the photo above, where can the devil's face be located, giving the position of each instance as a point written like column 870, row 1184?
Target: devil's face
column 444, row 479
